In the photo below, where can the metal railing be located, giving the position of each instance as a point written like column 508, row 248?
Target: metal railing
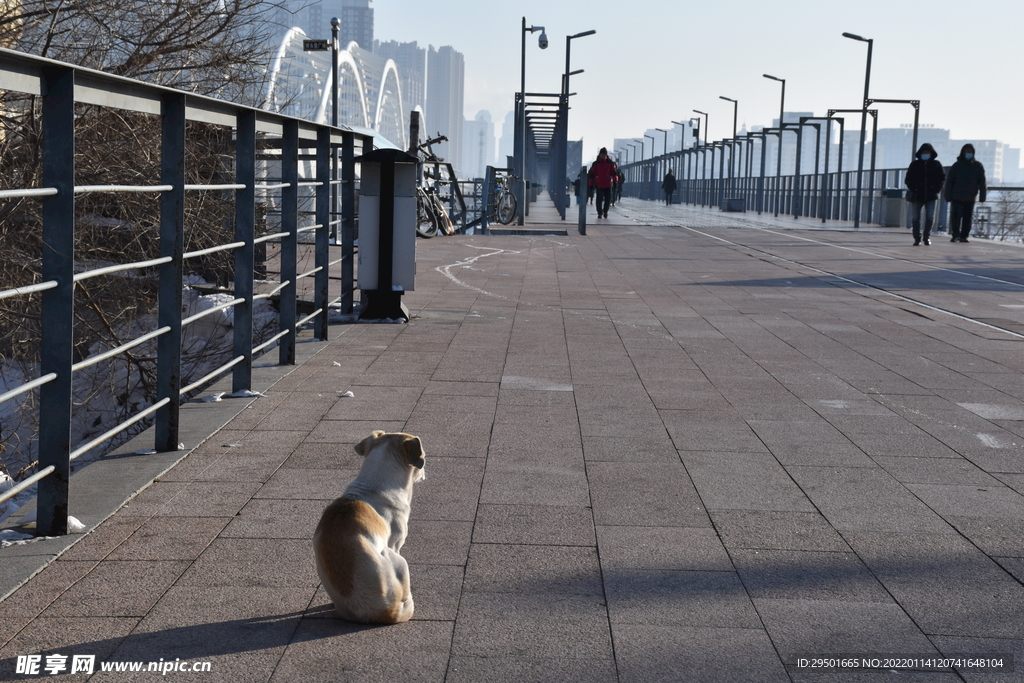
column 59, row 88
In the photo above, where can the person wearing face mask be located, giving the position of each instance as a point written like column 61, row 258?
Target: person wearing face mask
column 964, row 183
column 924, row 183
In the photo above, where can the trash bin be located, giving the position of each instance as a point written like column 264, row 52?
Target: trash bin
column 893, row 210
column 387, row 232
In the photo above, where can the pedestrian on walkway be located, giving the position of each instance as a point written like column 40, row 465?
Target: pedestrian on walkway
column 669, row 186
column 964, row 183
column 602, row 173
column 924, row 183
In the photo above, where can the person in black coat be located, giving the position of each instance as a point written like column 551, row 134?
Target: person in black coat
column 669, row 186
column 924, row 183
column 964, row 182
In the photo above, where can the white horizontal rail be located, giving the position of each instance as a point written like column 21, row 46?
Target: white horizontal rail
column 28, row 289
column 28, row 386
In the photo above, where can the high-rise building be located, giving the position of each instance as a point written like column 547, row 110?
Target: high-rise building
column 314, row 18
column 445, row 97
column 506, row 148
column 356, row 22
column 411, row 60
column 477, row 145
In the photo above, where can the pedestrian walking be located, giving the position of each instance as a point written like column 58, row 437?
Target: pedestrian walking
column 965, row 183
column 602, row 173
column 669, row 186
column 924, row 180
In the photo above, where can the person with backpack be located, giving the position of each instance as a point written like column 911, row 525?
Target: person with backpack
column 924, row 181
column 602, row 173
column 964, row 183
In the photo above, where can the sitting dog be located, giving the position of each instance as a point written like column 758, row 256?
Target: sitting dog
column 357, row 541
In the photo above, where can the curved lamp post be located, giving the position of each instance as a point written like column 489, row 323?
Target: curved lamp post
column 863, row 126
column 542, row 42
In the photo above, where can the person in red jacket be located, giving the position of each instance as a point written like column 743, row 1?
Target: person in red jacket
column 603, row 173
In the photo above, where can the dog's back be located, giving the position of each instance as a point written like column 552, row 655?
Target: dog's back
column 366, row 580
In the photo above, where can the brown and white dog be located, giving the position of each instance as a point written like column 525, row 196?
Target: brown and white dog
column 357, row 541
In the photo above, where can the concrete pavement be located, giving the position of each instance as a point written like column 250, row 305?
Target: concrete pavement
column 690, row 448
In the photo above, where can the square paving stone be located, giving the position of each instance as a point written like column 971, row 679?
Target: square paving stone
column 865, row 499
column 324, row 650
column 35, row 595
column 688, row 599
column 625, row 548
column 802, row 628
column 971, row 500
column 437, row 542
column 534, row 484
column 746, row 481
column 273, row 518
column 654, row 446
column 555, row 570
column 530, row 670
column 250, row 562
column 532, row 625
column 804, row 575
column 170, row 538
column 118, row 589
column 450, row 491
column 777, row 530
column 534, row 525
column 680, row 653
column 644, row 494
column 944, row 583
column 66, row 635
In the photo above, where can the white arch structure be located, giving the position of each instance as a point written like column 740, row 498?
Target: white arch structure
column 369, row 93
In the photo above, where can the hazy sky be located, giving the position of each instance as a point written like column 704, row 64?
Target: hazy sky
column 654, row 61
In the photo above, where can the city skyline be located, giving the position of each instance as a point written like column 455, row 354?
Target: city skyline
column 651, row 67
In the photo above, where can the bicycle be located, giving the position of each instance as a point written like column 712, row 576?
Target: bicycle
column 431, row 215
column 505, row 203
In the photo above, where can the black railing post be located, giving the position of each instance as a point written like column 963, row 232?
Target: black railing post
column 245, row 231
column 58, row 304
column 172, row 244
column 322, row 233
column 348, row 222
column 290, row 242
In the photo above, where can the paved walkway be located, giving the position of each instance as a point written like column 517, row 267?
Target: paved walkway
column 692, row 448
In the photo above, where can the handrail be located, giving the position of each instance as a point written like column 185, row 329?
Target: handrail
column 59, row 87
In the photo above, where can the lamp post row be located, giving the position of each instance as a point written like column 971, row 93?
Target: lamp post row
column 867, row 101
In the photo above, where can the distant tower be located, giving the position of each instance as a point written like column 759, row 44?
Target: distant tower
column 411, row 60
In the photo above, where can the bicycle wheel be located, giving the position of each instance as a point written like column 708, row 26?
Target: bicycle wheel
column 426, row 222
column 505, row 212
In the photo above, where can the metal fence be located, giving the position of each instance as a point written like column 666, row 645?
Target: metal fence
column 302, row 152
column 702, row 179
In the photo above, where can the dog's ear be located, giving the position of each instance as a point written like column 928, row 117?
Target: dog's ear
column 364, row 446
column 413, row 449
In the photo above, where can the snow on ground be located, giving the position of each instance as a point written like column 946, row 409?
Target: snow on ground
column 111, row 391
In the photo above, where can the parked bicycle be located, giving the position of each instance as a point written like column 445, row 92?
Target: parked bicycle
column 505, row 203
column 431, row 215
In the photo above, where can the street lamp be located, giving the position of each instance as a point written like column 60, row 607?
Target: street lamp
column 664, row 144
column 651, row 138
column 562, row 158
column 778, row 166
column 732, row 147
column 542, row 42
column 642, row 147
column 863, row 126
column 682, row 135
column 705, row 126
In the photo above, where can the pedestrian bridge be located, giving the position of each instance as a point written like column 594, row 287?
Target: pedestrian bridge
column 686, row 444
